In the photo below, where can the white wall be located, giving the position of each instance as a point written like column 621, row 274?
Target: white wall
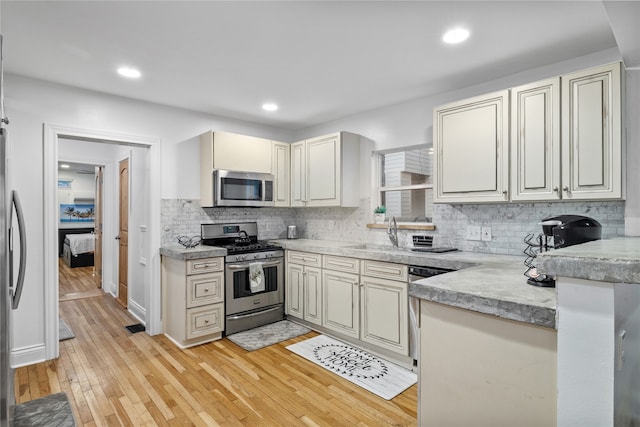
column 411, row 123
column 31, row 103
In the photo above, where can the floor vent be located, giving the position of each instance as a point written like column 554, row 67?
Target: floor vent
column 138, row 327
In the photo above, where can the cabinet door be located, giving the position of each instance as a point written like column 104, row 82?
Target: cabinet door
column 280, row 169
column 313, row 295
column 323, row 171
column 340, row 302
column 294, row 290
column 385, row 318
column 241, row 153
column 471, row 145
column 535, row 141
column 298, row 174
column 591, row 134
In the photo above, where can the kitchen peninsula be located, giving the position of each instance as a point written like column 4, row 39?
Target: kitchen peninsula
column 487, row 339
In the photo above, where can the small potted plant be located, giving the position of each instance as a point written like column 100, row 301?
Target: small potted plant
column 379, row 214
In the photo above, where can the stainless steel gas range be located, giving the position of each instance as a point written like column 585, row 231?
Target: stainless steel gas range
column 254, row 275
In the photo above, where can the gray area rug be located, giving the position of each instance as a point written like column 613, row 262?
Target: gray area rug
column 64, row 331
column 267, row 335
column 379, row 376
column 52, row 411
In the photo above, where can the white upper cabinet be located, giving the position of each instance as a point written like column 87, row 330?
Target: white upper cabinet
column 281, row 172
column 535, row 141
column 298, row 174
column 228, row 151
column 566, row 142
column 591, row 134
column 325, row 171
column 236, row 152
column 471, row 145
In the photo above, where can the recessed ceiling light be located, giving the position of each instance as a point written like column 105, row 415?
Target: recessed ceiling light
column 269, row 106
column 65, row 166
column 129, row 72
column 457, row 35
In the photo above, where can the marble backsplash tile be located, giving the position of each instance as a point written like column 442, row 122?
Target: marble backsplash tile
column 509, row 223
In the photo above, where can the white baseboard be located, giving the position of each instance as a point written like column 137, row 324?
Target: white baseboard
column 28, row 355
column 137, row 311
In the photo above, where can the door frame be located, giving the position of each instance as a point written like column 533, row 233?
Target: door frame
column 51, row 136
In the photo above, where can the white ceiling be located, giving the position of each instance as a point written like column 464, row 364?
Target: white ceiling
column 318, row 60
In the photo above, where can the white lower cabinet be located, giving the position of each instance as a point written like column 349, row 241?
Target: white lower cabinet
column 361, row 299
column 193, row 300
column 384, row 315
column 341, row 298
column 303, row 290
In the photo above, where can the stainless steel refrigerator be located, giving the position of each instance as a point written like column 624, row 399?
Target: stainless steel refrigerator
column 11, row 283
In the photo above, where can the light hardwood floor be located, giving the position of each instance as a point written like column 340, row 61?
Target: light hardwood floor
column 116, row 378
column 77, row 282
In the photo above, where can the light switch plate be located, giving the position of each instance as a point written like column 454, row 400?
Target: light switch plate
column 473, row 232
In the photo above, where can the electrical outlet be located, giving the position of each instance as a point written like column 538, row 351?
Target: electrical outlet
column 486, row 234
column 473, row 232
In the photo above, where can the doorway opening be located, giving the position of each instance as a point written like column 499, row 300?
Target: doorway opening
column 106, row 150
column 80, row 230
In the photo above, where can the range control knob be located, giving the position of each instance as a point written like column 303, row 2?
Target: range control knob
column 256, row 256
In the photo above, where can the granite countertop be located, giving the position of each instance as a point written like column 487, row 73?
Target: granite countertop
column 180, row 252
column 613, row 260
column 490, row 284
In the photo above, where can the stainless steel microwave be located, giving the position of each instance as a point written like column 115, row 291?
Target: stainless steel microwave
column 250, row 189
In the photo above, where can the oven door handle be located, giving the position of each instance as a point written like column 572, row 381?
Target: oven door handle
column 257, row 313
column 246, row 265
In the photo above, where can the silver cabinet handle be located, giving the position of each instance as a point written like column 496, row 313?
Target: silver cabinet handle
column 566, row 189
column 555, row 189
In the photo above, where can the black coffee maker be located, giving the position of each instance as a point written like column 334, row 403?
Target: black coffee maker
column 557, row 232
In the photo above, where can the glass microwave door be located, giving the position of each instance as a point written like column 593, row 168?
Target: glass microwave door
column 240, row 189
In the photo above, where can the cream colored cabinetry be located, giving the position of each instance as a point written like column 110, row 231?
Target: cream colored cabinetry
column 591, row 134
column 565, row 142
column 303, row 290
column 341, row 302
column 586, row 162
column 228, row 151
column 384, row 301
column 471, row 140
column 281, row 171
column 535, row 141
column 325, row 171
column 193, row 300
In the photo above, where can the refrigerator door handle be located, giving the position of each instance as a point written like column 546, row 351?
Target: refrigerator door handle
column 23, row 251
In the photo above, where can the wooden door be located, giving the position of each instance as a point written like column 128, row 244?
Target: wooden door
column 535, row 141
column 97, row 254
column 341, row 302
column 123, row 235
column 592, row 134
column 313, row 295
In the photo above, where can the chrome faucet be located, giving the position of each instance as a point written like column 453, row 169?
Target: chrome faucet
column 392, row 231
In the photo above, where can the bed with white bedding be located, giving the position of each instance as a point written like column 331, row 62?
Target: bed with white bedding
column 78, row 249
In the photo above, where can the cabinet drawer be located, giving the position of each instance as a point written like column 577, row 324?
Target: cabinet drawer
column 385, row 270
column 203, row 289
column 206, row 320
column 204, row 265
column 304, row 258
column 349, row 265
